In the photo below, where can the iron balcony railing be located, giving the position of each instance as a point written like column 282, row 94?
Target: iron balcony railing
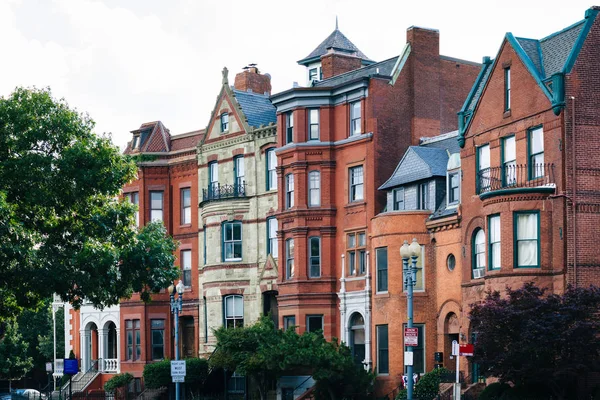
column 216, row 191
column 514, row 176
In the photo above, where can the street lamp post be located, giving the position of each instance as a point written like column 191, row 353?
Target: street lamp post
column 176, row 309
column 411, row 251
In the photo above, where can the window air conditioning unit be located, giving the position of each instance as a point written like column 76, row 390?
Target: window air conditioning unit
column 478, row 273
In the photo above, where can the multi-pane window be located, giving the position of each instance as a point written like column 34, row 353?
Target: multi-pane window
column 289, row 191
column 272, row 237
column 527, row 239
column 479, row 254
column 453, row 187
column 289, row 127
column 420, row 266
column 186, row 206
column 289, row 258
column 398, row 199
column 506, row 89
column 232, row 241
column 186, row 267
column 357, row 260
column 314, row 323
column 312, row 74
column 134, row 198
column 213, row 177
column 355, row 118
column 224, row 122
column 509, row 161
column 134, row 343
column 383, row 356
column 483, row 168
column 536, row 153
column 494, row 241
column 156, row 206
column 234, row 311
column 158, row 338
column 381, row 261
column 314, row 248
column 423, row 196
column 240, row 174
column 313, row 124
column 418, row 350
column 314, row 189
column 356, row 183
column 288, row 322
column 271, row 170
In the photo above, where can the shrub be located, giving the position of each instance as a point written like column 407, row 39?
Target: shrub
column 118, row 381
column 527, row 392
column 428, row 387
column 196, row 370
column 494, row 391
column 157, row 375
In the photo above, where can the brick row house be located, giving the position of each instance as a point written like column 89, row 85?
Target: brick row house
column 340, row 140
column 530, row 133
column 126, row 337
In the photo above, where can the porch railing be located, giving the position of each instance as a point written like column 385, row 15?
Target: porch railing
column 514, row 176
column 109, row 365
column 216, row 191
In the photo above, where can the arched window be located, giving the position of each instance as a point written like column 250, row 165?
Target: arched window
column 478, row 254
column 357, row 338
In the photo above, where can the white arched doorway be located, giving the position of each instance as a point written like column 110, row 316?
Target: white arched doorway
column 356, row 335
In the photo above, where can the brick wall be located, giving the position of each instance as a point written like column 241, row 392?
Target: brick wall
column 252, row 80
column 333, row 64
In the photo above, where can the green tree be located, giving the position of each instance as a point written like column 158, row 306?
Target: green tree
column 14, row 361
column 263, row 354
column 534, row 339
column 62, row 228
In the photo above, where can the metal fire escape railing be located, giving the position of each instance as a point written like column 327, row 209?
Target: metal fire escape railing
column 514, row 176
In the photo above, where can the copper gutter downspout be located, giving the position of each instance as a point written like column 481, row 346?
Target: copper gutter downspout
column 574, row 200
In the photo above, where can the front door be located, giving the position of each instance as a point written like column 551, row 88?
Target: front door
column 188, row 338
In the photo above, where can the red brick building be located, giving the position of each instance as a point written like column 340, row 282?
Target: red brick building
column 124, row 338
column 339, row 141
column 530, row 133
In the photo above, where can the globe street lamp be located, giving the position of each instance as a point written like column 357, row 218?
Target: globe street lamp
column 176, row 309
column 412, row 251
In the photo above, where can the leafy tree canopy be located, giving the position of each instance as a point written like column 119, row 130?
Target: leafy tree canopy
column 62, row 228
column 14, row 361
column 533, row 339
column 264, row 353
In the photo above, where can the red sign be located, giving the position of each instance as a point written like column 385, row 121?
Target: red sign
column 466, row 349
column 411, row 336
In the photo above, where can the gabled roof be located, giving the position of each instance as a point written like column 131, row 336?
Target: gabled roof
column 338, row 41
column 418, row 163
column 257, row 108
column 545, row 59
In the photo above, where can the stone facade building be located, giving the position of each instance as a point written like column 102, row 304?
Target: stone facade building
column 238, row 196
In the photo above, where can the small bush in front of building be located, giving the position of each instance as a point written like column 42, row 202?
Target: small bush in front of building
column 428, row 387
column 494, row 391
column 118, row 381
column 157, row 375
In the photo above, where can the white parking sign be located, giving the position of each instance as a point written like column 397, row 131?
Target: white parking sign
column 178, row 368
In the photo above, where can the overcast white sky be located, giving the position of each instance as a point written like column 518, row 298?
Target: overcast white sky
column 126, row 62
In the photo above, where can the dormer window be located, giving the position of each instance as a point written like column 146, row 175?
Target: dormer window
column 224, row 122
column 453, row 180
column 312, row 74
column 136, row 142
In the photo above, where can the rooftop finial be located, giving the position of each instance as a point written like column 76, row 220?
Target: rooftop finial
column 336, row 23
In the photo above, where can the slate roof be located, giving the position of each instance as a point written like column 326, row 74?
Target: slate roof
column 257, row 108
column 338, row 41
column 550, row 54
column 418, row 163
column 445, row 141
column 385, row 69
column 442, row 211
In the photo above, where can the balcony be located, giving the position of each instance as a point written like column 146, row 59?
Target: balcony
column 220, row 192
column 515, row 179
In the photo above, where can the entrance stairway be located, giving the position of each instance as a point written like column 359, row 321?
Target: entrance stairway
column 79, row 383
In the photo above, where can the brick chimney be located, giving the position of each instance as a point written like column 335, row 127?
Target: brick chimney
column 425, row 66
column 337, row 62
column 251, row 80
